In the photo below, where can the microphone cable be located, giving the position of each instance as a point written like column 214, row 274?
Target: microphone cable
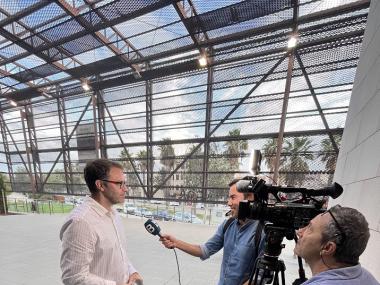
column 179, row 272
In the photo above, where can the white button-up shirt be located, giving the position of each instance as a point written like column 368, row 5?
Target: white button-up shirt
column 94, row 247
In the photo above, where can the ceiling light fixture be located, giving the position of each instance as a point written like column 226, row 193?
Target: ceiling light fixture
column 202, row 60
column 85, row 86
column 292, row 42
column 13, row 103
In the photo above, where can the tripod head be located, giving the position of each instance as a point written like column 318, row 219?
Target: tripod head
column 268, row 265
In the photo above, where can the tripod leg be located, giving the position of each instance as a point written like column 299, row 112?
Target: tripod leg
column 283, row 276
column 275, row 282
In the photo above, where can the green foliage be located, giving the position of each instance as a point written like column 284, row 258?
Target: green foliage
column 328, row 154
column 3, row 196
column 294, row 160
column 234, row 149
column 167, row 154
column 21, row 175
column 130, row 175
column 270, row 150
column 298, row 154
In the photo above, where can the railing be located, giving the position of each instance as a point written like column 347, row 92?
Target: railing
column 38, row 206
column 206, row 214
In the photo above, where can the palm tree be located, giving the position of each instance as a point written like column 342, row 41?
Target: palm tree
column 218, row 165
column 329, row 156
column 131, row 177
column 270, row 150
column 194, row 168
column 234, row 149
column 142, row 163
column 167, row 159
column 297, row 154
column 167, row 154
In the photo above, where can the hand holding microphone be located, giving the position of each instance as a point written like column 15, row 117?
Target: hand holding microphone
column 168, row 241
column 153, row 228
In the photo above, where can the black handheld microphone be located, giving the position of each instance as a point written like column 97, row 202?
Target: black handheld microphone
column 153, row 228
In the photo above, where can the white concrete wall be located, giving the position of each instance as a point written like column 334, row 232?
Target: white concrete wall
column 358, row 167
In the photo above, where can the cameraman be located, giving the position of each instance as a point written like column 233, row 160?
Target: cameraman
column 241, row 240
column 331, row 244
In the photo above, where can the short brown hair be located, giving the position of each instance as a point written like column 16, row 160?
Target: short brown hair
column 96, row 170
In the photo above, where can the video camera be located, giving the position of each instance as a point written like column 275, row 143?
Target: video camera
column 292, row 215
column 281, row 219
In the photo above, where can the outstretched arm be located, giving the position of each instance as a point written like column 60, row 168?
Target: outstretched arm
column 171, row 242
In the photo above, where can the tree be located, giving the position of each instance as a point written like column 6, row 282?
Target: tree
column 167, row 154
column 3, row 196
column 167, row 159
column 131, row 177
column 234, row 149
column 297, row 153
column 193, row 174
column 218, row 165
column 270, row 150
column 159, row 179
column 329, row 156
column 142, row 163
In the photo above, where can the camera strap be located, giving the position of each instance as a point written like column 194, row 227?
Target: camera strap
column 259, row 230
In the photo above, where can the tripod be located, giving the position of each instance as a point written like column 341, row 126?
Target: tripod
column 268, row 267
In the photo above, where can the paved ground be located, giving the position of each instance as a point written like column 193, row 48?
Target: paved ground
column 30, row 250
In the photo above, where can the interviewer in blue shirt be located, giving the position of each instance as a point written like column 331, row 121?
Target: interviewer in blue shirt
column 238, row 241
column 331, row 244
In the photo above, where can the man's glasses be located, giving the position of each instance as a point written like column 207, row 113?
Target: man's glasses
column 337, row 225
column 121, row 184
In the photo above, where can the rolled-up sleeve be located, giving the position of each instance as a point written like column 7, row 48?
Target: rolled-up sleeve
column 78, row 247
column 214, row 244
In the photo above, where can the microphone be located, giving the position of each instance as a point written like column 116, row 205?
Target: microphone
column 255, row 162
column 152, row 227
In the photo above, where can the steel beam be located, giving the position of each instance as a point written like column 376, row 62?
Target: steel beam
column 125, row 149
column 206, row 147
column 285, row 102
column 101, row 124
column 8, row 158
column 316, row 101
column 224, row 119
column 65, row 149
column 68, row 140
column 149, row 136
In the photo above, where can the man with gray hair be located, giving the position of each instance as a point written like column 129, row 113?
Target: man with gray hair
column 331, row 244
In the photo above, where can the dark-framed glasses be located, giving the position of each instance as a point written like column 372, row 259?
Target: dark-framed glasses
column 121, row 184
column 341, row 232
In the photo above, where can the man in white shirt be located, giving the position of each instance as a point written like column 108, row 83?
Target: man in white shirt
column 93, row 240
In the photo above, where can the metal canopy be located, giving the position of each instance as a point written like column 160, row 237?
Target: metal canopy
column 85, row 26
column 140, row 60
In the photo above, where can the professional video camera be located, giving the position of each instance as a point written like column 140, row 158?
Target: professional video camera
column 293, row 215
column 281, row 219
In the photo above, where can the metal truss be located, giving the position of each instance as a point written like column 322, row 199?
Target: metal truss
column 65, row 149
column 217, row 33
column 31, row 148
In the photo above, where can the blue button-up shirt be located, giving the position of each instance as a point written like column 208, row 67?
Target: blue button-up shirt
column 239, row 252
column 353, row 275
